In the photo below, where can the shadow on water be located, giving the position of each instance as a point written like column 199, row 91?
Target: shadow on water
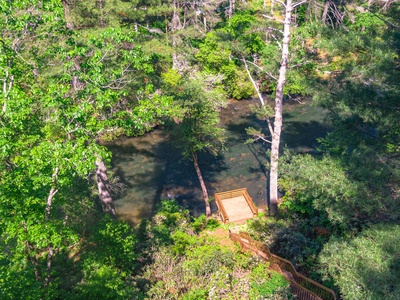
column 303, row 125
column 151, row 167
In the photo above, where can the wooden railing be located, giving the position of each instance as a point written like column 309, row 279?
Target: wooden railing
column 219, row 197
column 250, row 202
column 224, row 215
column 300, row 285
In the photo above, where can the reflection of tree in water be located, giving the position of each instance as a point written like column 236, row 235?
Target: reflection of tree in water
column 151, row 167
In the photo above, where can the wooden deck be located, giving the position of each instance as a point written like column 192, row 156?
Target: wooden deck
column 235, row 206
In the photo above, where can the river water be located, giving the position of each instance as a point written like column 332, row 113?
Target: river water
column 151, row 167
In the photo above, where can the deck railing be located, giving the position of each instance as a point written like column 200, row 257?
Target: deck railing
column 224, row 215
column 219, row 197
column 250, row 202
column 300, row 285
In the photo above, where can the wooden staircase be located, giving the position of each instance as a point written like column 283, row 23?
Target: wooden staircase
column 303, row 287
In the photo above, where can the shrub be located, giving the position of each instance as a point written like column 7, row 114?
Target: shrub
column 265, row 282
column 367, row 266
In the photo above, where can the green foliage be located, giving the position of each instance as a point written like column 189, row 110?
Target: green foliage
column 321, row 185
column 215, row 58
column 105, row 282
column 171, row 77
column 201, row 223
column 195, row 294
column 366, row 266
column 199, row 130
column 265, row 282
column 117, row 241
column 241, row 87
column 341, row 193
column 50, row 130
column 298, row 240
column 368, row 23
column 194, row 266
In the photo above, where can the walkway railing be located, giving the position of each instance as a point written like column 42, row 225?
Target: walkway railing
column 304, row 287
column 219, row 197
column 224, row 215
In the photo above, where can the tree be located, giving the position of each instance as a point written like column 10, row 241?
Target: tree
column 366, row 266
column 61, row 94
column 198, row 130
column 276, row 128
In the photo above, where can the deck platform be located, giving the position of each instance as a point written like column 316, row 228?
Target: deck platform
column 235, row 206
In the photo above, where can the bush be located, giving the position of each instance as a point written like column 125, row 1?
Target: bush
column 367, row 266
column 192, row 266
column 265, row 282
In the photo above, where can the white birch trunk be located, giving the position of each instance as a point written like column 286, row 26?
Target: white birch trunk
column 52, row 193
column 8, row 83
column 276, row 134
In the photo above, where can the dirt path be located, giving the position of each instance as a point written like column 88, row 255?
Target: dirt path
column 222, row 235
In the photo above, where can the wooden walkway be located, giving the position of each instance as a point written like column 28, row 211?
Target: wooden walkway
column 235, row 206
column 302, row 287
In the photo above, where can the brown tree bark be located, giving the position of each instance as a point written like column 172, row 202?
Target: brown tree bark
column 276, row 134
column 203, row 185
column 103, row 186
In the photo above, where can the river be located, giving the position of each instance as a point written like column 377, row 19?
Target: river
column 151, row 167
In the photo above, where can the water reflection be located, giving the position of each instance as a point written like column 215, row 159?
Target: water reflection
column 152, row 168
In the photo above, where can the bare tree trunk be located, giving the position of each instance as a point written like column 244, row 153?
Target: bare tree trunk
column 231, row 8
column 52, row 193
column 8, row 83
column 175, row 25
column 103, row 186
column 48, row 265
column 255, row 85
column 325, row 13
column 67, row 15
column 203, row 186
column 176, row 21
column 276, row 134
column 101, row 6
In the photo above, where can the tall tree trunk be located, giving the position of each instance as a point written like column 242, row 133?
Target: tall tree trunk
column 276, row 134
column 325, row 13
column 203, row 185
column 52, row 193
column 101, row 6
column 67, row 15
column 231, row 8
column 175, row 26
column 103, row 186
column 8, row 83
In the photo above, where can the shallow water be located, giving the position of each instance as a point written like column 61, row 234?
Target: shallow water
column 151, row 168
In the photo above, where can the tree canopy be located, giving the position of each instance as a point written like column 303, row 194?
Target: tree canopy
column 77, row 74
